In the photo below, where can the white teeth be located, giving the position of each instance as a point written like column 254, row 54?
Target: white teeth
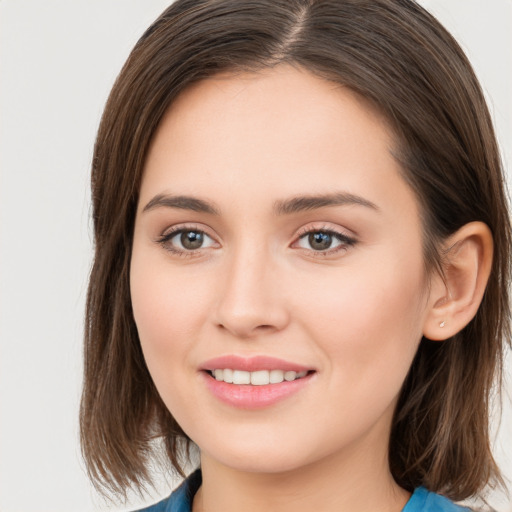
column 260, row 378
column 257, row 378
column 276, row 376
column 241, row 377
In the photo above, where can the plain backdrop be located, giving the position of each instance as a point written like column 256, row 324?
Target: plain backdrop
column 58, row 60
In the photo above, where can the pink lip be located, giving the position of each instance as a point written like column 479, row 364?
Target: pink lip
column 252, row 364
column 246, row 396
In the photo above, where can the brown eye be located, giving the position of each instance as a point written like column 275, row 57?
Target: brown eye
column 191, row 240
column 325, row 241
column 182, row 241
column 320, row 241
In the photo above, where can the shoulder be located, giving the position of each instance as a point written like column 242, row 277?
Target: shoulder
column 423, row 500
column 181, row 499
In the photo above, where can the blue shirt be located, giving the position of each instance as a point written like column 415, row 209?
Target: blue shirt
column 181, row 499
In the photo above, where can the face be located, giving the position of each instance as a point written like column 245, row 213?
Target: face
column 277, row 275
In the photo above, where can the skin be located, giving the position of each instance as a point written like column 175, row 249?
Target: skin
column 355, row 313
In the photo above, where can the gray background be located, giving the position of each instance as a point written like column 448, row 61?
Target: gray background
column 58, row 61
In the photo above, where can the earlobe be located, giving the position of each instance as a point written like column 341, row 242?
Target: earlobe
column 456, row 295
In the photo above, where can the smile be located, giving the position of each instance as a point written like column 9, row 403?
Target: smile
column 256, row 378
column 255, row 382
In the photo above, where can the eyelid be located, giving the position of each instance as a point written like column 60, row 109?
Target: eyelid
column 170, row 232
column 347, row 240
column 186, row 226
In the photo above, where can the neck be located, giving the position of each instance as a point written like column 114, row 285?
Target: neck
column 358, row 482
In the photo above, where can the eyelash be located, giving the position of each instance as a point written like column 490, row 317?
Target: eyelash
column 164, row 240
column 345, row 241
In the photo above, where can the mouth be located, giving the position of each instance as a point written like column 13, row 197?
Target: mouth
column 255, row 382
column 258, row 377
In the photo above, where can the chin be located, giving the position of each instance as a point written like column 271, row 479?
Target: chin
column 262, row 456
column 268, row 464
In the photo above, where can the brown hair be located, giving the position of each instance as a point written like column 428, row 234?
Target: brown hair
column 397, row 56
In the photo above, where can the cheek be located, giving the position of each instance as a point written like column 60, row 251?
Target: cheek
column 368, row 321
column 168, row 309
column 158, row 313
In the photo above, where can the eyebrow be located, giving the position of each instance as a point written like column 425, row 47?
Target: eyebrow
column 182, row 203
column 313, row 202
column 281, row 207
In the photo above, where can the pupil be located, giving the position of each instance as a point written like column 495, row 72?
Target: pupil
column 320, row 241
column 191, row 240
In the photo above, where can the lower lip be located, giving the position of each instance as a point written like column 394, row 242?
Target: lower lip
column 246, row 396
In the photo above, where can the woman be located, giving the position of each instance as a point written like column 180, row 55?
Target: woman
column 302, row 261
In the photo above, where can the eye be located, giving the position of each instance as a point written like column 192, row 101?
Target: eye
column 324, row 241
column 186, row 240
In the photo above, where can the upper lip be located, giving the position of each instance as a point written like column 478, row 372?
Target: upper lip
column 252, row 364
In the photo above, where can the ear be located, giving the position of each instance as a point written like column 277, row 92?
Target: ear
column 456, row 295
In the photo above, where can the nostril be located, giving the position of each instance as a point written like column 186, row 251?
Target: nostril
column 248, row 330
column 265, row 327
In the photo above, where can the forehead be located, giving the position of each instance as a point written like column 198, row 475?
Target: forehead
column 278, row 115
column 282, row 95
column 258, row 138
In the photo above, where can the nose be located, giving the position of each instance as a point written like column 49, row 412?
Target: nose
column 251, row 299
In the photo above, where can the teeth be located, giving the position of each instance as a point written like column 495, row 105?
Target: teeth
column 276, row 376
column 241, row 377
column 289, row 376
column 260, row 378
column 257, row 378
